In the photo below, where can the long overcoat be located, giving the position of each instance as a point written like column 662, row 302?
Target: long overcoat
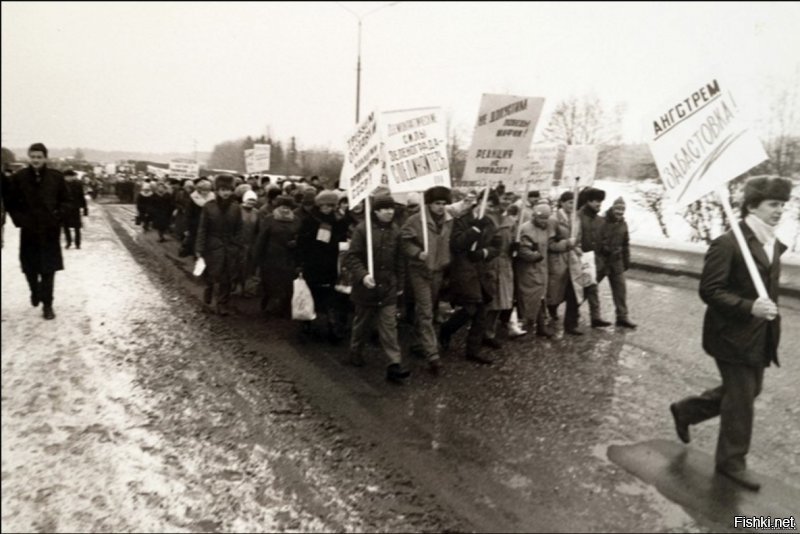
column 318, row 246
column 563, row 263
column 471, row 250
column 275, row 251
column 161, row 208
column 77, row 202
column 530, row 269
column 500, row 270
column 36, row 203
column 592, row 235
column 730, row 332
column 219, row 238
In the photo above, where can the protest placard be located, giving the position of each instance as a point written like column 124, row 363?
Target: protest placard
column 580, row 161
column 111, row 168
column 502, row 138
column 261, row 158
column 249, row 163
column 700, row 142
column 362, row 168
column 158, row 172
column 415, row 149
column 541, row 167
column 183, row 169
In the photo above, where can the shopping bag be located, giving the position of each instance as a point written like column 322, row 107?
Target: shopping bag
column 199, row 267
column 588, row 269
column 302, row 301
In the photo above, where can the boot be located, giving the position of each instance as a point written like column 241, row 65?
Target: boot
column 625, row 323
column 491, row 343
column 48, row 312
column 395, row 373
column 599, row 323
column 480, row 358
column 435, row 367
column 741, row 477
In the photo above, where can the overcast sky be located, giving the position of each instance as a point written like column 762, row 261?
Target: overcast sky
column 158, row 76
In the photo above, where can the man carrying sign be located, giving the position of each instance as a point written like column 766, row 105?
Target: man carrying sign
column 428, row 257
column 741, row 330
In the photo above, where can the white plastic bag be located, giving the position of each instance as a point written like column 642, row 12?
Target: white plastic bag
column 302, row 301
column 588, row 269
column 199, row 267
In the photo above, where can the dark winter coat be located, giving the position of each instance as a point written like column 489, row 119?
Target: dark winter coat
column 219, row 238
column 144, row 207
column 161, row 208
column 592, row 235
column 730, row 332
column 318, row 256
column 275, row 252
column 36, row 204
column 438, row 244
column 77, row 202
column 469, row 280
column 615, row 244
column 389, row 264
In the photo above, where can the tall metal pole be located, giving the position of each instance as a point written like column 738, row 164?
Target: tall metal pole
column 358, row 73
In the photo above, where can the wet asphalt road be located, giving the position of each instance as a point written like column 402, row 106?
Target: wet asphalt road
column 520, row 446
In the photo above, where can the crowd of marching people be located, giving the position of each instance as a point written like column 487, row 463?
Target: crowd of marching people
column 493, row 261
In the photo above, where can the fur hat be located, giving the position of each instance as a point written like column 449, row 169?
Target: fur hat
column 438, row 193
column 589, row 194
column 309, row 197
column 241, row 189
column 763, row 188
column 382, row 202
column 224, row 181
column 284, row 200
column 326, row 197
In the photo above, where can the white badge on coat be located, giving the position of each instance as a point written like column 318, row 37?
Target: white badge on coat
column 324, row 233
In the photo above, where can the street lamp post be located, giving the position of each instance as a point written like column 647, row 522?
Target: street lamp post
column 358, row 62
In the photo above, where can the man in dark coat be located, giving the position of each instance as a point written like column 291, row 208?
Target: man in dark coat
column 615, row 254
column 589, row 202
column 473, row 244
column 741, row 330
column 162, row 205
column 77, row 202
column 219, row 243
column 36, row 200
column 375, row 294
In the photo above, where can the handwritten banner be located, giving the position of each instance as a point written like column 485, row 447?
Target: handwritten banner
column 502, row 137
column 580, row 161
column 261, row 158
column 700, row 141
column 541, row 167
column 415, row 149
column 362, row 168
column 183, row 169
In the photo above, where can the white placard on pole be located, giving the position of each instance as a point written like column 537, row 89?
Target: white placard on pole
column 424, row 220
column 502, row 138
column 580, row 163
column 368, row 223
column 362, row 168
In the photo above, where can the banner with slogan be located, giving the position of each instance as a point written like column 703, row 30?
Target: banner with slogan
column 111, row 168
column 261, row 155
column 502, row 138
column 541, row 167
column 362, row 169
column 183, row 169
column 249, row 164
column 158, row 172
column 415, row 149
column 700, row 141
column 580, row 161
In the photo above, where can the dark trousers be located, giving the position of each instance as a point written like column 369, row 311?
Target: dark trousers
column 475, row 314
column 618, row 292
column 42, row 284
column 224, row 286
column 733, row 403
column 571, row 314
column 68, row 235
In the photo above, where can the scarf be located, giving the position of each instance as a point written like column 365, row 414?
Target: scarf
column 764, row 233
column 199, row 199
column 286, row 217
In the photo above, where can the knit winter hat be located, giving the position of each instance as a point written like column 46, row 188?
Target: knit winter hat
column 437, row 194
column 242, row 189
column 326, row 197
column 249, row 195
column 542, row 208
column 619, row 202
column 224, row 181
column 382, row 202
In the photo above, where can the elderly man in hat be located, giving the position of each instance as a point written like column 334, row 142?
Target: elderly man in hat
column 426, row 268
column 615, row 254
column 375, row 293
column 36, row 198
column 589, row 202
column 741, row 330
column 219, row 243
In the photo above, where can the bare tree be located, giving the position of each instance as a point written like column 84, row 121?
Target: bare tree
column 651, row 196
